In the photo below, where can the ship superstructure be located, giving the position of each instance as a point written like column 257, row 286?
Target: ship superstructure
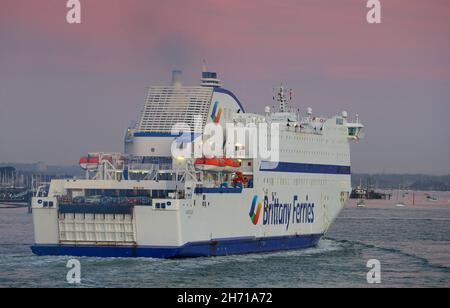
column 149, row 202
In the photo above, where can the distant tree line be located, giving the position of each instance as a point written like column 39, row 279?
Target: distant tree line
column 403, row 181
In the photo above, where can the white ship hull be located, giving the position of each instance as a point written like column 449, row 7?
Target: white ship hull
column 216, row 221
column 140, row 210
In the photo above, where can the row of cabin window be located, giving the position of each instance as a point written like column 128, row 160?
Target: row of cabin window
column 315, row 140
column 296, row 182
column 317, row 153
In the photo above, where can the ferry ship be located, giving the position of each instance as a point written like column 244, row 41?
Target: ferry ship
column 148, row 202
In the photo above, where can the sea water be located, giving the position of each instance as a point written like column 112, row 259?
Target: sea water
column 412, row 245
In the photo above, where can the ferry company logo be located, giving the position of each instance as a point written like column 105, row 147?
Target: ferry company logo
column 254, row 211
column 216, row 113
column 282, row 213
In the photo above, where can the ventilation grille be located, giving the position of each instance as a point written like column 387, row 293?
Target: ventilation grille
column 166, row 106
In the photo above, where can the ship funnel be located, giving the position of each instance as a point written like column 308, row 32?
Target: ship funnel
column 176, row 78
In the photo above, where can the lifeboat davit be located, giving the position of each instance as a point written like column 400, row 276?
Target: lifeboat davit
column 89, row 162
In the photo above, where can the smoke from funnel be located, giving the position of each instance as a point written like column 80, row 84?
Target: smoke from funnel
column 176, row 78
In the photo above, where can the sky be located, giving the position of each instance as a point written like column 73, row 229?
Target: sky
column 67, row 90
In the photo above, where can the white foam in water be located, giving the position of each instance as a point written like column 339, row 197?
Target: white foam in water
column 324, row 246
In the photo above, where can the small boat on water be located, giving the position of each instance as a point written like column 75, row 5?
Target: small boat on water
column 361, row 203
column 362, row 194
column 431, row 198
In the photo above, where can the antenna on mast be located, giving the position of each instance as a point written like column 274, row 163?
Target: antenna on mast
column 282, row 98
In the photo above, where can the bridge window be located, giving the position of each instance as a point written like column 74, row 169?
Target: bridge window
column 352, row 131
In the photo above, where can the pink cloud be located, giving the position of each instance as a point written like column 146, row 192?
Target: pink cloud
column 382, row 72
column 237, row 35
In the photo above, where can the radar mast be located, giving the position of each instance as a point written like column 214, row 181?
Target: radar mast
column 283, row 96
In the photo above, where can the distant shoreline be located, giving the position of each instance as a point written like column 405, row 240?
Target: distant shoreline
column 408, row 198
column 417, row 182
column 13, row 205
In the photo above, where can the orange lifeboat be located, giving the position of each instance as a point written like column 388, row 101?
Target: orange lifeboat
column 217, row 164
column 232, row 165
column 89, row 162
column 209, row 164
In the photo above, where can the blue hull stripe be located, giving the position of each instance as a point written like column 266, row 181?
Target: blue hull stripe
column 218, row 190
column 95, row 209
column 228, row 92
column 303, row 168
column 155, row 134
column 196, row 249
column 181, row 137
